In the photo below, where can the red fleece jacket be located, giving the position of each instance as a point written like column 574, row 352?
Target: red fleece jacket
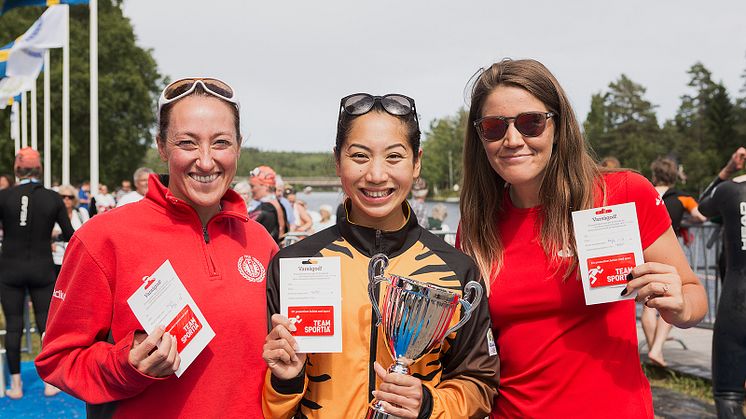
column 90, row 328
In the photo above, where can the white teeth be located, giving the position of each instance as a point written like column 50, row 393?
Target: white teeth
column 205, row 179
column 376, row 194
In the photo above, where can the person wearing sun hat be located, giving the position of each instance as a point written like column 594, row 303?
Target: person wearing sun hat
column 28, row 212
column 265, row 209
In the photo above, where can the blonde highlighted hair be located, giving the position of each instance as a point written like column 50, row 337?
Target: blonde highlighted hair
column 569, row 178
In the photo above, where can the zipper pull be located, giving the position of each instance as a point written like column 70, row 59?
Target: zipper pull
column 378, row 240
column 204, row 233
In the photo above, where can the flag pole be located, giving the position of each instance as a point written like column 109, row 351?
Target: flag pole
column 34, row 122
column 66, row 102
column 47, row 123
column 93, row 8
column 15, row 128
column 24, row 120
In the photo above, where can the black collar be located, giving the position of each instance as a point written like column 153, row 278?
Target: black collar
column 370, row 241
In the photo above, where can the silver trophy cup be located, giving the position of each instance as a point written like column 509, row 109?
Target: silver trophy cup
column 415, row 317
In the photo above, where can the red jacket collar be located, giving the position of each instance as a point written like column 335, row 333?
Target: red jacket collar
column 231, row 203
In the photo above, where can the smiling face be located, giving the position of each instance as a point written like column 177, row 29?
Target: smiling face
column 377, row 167
column 521, row 161
column 202, row 151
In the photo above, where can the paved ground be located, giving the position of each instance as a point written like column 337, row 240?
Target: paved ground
column 672, row 404
column 687, row 351
column 694, row 360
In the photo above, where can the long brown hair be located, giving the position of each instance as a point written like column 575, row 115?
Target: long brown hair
column 569, row 178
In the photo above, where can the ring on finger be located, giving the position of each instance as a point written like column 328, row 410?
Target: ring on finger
column 665, row 289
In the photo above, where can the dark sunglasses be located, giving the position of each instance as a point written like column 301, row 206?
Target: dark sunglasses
column 362, row 103
column 68, row 196
column 529, row 124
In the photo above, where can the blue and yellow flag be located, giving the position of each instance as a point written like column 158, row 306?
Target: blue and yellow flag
column 4, row 54
column 11, row 4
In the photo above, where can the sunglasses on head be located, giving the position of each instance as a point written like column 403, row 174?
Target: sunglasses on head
column 184, row 87
column 361, row 103
column 255, row 172
column 529, row 124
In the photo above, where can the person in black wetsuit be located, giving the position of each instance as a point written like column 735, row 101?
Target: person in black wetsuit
column 28, row 212
column 727, row 198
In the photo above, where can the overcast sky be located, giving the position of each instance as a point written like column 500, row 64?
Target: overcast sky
column 291, row 61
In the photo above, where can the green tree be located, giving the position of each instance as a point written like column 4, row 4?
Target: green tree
column 289, row 164
column 129, row 83
column 595, row 126
column 442, row 150
column 706, row 124
column 739, row 114
column 623, row 124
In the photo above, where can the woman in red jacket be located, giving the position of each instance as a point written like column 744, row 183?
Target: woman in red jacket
column 95, row 349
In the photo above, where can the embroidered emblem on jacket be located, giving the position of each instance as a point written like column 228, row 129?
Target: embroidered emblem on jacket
column 251, row 269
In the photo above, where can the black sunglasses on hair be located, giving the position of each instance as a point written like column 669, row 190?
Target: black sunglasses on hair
column 529, row 124
column 361, row 103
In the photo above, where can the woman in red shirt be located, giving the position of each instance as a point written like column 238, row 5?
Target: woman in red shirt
column 526, row 168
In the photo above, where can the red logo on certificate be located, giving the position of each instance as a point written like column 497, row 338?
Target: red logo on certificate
column 184, row 327
column 610, row 270
column 312, row 320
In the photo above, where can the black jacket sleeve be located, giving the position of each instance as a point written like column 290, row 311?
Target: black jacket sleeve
column 708, row 205
column 266, row 215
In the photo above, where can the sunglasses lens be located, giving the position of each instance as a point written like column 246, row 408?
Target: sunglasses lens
column 531, row 124
column 213, row 85
column 217, row 86
column 178, row 87
column 493, row 129
column 397, row 105
column 358, row 104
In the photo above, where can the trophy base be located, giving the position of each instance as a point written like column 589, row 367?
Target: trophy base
column 376, row 412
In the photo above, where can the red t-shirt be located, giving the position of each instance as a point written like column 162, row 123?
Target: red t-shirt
column 559, row 357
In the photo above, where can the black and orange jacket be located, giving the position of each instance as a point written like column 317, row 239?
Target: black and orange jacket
column 460, row 377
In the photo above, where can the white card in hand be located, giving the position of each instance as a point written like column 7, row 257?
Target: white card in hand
column 162, row 300
column 311, row 298
column 609, row 247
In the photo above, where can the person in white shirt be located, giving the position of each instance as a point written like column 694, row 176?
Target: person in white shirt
column 77, row 216
column 141, row 186
column 104, row 200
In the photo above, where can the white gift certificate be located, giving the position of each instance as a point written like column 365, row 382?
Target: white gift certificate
column 609, row 247
column 311, row 298
column 162, row 300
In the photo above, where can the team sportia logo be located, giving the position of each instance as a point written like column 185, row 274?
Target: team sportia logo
column 251, row 269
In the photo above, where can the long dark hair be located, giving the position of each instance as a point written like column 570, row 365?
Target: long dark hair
column 569, row 177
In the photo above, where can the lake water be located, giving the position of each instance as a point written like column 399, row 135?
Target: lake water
column 314, row 200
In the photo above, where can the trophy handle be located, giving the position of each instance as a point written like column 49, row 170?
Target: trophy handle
column 376, row 266
column 468, row 306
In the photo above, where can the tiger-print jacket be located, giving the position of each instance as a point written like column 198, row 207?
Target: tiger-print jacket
column 460, row 377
